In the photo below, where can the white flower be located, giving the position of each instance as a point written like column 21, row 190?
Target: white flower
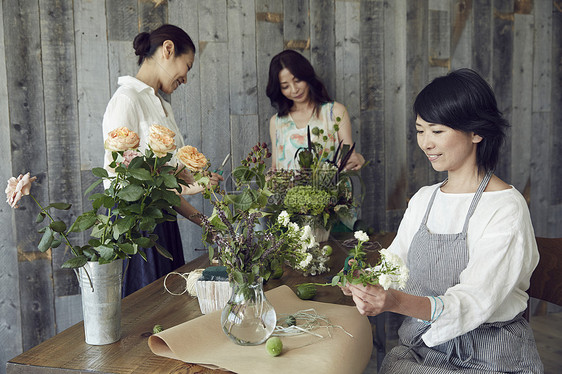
column 404, row 275
column 385, row 281
column 284, row 218
column 361, row 236
column 306, row 233
column 293, row 227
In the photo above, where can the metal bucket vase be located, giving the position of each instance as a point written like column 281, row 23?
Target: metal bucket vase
column 101, row 301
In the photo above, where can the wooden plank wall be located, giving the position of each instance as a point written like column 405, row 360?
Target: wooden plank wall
column 60, row 60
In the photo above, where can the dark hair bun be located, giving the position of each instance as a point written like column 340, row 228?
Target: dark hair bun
column 142, row 44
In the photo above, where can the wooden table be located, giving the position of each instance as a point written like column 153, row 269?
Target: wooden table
column 67, row 352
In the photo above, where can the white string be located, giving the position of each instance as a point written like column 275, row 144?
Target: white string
column 306, row 321
column 190, row 281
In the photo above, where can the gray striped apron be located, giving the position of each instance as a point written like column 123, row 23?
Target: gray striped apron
column 435, row 262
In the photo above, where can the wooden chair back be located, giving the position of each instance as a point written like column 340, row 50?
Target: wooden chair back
column 546, row 281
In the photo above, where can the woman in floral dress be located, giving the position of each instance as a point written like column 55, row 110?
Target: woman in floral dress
column 302, row 101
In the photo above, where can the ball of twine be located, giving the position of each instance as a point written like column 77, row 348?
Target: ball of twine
column 190, row 280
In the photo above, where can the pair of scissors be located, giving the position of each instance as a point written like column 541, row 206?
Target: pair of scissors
column 220, row 170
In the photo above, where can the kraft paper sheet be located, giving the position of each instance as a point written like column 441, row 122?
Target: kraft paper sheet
column 203, row 342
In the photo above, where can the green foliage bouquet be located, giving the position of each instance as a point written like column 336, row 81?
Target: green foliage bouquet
column 140, row 193
column 249, row 245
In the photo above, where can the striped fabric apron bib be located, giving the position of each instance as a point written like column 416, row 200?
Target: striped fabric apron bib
column 435, row 262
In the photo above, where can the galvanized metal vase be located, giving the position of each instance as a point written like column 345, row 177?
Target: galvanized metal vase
column 101, row 301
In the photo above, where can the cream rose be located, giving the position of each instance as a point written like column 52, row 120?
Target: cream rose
column 17, row 188
column 161, row 144
column 191, row 158
column 121, row 139
column 159, row 129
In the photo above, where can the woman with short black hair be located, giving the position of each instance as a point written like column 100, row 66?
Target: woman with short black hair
column 468, row 242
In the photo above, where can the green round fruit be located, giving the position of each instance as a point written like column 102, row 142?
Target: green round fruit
column 327, row 249
column 274, row 346
column 306, row 291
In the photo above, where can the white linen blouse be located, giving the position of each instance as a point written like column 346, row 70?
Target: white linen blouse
column 502, row 256
column 135, row 105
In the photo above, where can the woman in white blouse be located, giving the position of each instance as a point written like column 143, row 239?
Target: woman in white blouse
column 468, row 242
column 165, row 57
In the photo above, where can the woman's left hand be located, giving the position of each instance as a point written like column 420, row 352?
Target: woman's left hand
column 371, row 299
column 355, row 161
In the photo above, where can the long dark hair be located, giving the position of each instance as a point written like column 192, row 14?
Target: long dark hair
column 301, row 68
column 463, row 100
column 146, row 44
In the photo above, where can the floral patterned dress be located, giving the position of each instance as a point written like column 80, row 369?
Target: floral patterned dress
column 289, row 138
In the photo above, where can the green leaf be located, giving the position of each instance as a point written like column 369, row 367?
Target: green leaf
column 100, row 172
column 128, row 248
column 147, row 224
column 144, row 242
column 46, row 240
column 237, row 276
column 75, row 262
column 60, row 206
column 335, row 280
column 123, row 225
column 106, row 252
column 58, row 226
column 170, row 180
column 40, row 217
column 56, row 243
column 164, row 252
column 92, row 186
column 140, row 174
column 131, row 193
column 153, row 212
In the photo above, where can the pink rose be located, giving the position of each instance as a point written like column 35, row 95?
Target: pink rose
column 121, row 139
column 159, row 129
column 161, row 144
column 17, row 188
column 128, row 156
column 191, row 158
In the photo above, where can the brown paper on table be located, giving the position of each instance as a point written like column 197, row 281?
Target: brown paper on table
column 202, row 341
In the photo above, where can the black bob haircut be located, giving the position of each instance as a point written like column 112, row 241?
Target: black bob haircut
column 301, row 68
column 462, row 100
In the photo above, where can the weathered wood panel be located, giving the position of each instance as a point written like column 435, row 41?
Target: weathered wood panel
column 396, row 172
column 186, row 104
column 502, row 42
column 482, row 38
column 10, row 319
column 92, row 79
column 27, row 134
column 296, row 27
column 152, row 13
column 372, row 111
column 242, row 58
column 269, row 42
column 461, row 34
column 322, row 33
column 556, row 97
column 521, row 105
column 62, row 136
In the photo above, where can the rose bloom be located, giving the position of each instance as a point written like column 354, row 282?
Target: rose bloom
column 191, row 158
column 161, row 130
column 361, row 236
column 17, row 188
column 121, row 139
column 128, row 156
column 161, row 144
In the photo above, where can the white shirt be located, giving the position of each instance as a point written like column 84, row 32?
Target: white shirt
column 502, row 256
column 135, row 105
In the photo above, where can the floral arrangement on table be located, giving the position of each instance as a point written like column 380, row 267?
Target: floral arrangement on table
column 250, row 243
column 140, row 193
column 319, row 193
